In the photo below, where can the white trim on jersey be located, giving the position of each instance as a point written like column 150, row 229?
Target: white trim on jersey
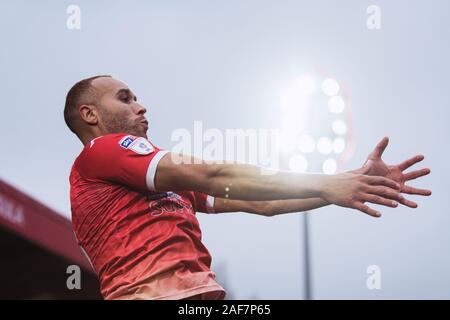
column 87, row 257
column 210, row 204
column 82, row 250
column 151, row 171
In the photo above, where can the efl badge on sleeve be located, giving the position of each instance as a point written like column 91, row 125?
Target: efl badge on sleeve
column 126, row 141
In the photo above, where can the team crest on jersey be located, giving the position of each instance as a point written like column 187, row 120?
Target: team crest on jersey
column 137, row 144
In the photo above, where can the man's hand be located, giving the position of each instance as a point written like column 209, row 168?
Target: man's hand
column 375, row 166
column 353, row 190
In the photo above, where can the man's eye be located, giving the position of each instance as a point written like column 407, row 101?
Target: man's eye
column 124, row 99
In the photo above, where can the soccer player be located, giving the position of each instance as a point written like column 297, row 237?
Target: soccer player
column 133, row 204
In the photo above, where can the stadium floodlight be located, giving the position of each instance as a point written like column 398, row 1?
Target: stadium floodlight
column 336, row 104
column 330, row 87
column 314, row 124
column 315, row 135
column 339, row 127
column 324, row 145
column 339, row 145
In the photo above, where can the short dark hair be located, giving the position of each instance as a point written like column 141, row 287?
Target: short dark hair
column 81, row 92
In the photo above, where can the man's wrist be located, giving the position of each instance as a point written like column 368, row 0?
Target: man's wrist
column 319, row 184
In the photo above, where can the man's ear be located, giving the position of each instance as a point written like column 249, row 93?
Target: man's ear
column 88, row 114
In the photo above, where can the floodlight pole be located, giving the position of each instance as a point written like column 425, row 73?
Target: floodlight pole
column 307, row 257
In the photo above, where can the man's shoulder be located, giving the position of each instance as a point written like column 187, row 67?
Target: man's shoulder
column 102, row 145
column 107, row 140
column 98, row 149
column 106, row 151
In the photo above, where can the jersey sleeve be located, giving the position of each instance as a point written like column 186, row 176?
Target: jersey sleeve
column 122, row 159
column 204, row 202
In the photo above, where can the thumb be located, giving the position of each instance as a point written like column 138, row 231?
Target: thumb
column 379, row 149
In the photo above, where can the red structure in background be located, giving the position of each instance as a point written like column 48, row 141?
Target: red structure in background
column 37, row 245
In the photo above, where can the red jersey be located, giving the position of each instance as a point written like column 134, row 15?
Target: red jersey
column 141, row 243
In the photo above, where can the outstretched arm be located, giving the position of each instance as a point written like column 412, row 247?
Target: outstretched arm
column 246, row 182
column 374, row 165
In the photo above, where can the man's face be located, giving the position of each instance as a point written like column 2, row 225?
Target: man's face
column 119, row 111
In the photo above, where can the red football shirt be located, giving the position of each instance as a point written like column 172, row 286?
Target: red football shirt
column 142, row 244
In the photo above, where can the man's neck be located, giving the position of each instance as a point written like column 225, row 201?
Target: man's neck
column 88, row 137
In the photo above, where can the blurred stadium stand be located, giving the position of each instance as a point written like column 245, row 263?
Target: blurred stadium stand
column 37, row 245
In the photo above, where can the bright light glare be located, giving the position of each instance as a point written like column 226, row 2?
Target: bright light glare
column 306, row 144
column 336, row 104
column 330, row 87
column 339, row 145
column 324, row 145
column 306, row 85
column 287, row 140
column 293, row 99
column 293, row 109
column 298, row 163
column 294, row 105
column 329, row 166
column 339, row 127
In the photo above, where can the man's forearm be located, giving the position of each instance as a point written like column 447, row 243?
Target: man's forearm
column 268, row 208
column 278, row 207
column 237, row 181
column 246, row 182
column 272, row 207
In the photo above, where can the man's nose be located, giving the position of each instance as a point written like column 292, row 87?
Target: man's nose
column 139, row 110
